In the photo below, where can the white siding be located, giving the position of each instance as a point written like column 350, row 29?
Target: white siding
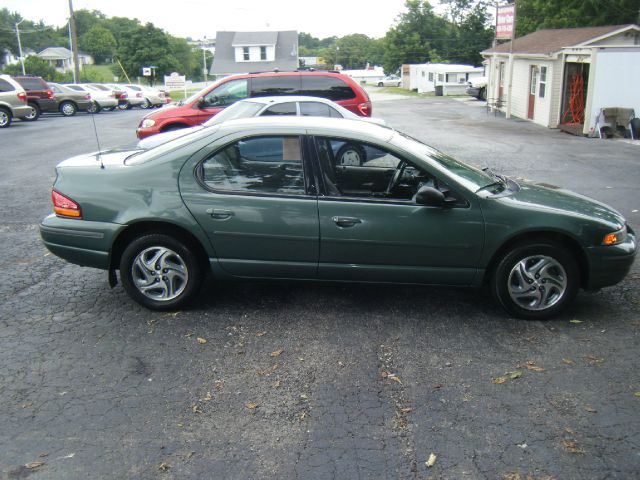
column 555, row 93
column 616, row 82
column 519, row 88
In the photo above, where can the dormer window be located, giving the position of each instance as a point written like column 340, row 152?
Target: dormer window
column 263, row 53
column 245, row 54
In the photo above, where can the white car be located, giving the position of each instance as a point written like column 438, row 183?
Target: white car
column 101, row 99
column 390, row 81
column 263, row 106
column 152, row 96
column 129, row 97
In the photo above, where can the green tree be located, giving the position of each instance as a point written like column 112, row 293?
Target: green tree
column 533, row 15
column 418, row 36
column 351, row 51
column 471, row 31
column 99, row 42
column 34, row 65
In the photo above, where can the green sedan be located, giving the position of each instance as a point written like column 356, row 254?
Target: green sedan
column 327, row 200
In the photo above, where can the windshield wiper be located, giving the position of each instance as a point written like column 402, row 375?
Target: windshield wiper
column 500, row 183
column 502, row 178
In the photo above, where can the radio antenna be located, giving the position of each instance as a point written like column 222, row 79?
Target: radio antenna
column 95, row 130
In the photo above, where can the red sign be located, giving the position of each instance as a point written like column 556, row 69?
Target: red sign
column 505, row 22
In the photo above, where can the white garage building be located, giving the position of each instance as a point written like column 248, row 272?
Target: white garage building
column 562, row 78
column 452, row 79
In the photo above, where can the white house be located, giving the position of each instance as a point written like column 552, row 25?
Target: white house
column 61, row 58
column 435, row 77
column 243, row 52
column 564, row 77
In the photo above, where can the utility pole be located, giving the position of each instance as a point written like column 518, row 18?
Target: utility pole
column 20, row 46
column 74, row 41
column 204, row 60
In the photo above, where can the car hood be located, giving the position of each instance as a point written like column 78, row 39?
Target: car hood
column 96, row 159
column 546, row 197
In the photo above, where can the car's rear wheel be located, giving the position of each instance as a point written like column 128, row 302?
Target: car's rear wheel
column 536, row 280
column 68, row 109
column 146, row 104
column 34, row 114
column 94, row 108
column 5, row 118
column 380, row 84
column 160, row 272
column 124, row 105
column 482, row 95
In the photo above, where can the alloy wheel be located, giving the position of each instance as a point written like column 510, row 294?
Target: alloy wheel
column 159, row 273
column 537, row 282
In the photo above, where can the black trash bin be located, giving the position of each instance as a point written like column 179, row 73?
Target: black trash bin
column 439, row 90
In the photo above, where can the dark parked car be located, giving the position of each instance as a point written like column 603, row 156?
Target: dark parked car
column 39, row 96
column 267, row 197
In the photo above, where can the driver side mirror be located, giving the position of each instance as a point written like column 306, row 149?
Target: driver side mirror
column 201, row 102
column 430, row 197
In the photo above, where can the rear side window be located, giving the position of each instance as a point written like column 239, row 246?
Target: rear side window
column 76, row 87
column 317, row 109
column 275, row 85
column 331, row 88
column 257, row 165
column 6, row 86
column 32, row 83
column 288, row 108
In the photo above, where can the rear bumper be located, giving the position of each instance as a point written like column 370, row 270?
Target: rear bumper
column 20, row 112
column 79, row 241
column 106, row 102
column 609, row 265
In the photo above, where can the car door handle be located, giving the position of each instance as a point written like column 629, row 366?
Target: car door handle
column 346, row 221
column 219, row 213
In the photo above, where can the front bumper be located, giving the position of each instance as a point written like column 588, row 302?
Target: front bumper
column 610, row 264
column 473, row 91
column 79, row 241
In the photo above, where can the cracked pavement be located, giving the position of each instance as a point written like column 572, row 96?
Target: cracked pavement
column 370, row 379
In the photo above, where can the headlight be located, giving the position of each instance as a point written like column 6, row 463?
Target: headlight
column 615, row 238
column 147, row 122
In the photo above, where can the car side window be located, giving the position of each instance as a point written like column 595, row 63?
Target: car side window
column 269, row 164
column 288, row 108
column 55, row 89
column 355, row 169
column 227, row 93
column 315, row 109
column 6, row 86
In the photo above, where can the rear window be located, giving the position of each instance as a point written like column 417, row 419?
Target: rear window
column 6, row 86
column 275, row 85
column 331, row 88
column 100, row 87
column 32, row 83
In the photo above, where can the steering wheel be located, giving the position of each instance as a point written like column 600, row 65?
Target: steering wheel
column 395, row 179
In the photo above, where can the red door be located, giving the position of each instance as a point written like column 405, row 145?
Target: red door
column 533, row 85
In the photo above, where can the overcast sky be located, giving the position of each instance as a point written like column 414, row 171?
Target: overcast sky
column 200, row 18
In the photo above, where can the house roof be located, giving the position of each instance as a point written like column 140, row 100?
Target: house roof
column 286, row 52
column 58, row 53
column 243, row 39
column 548, row 41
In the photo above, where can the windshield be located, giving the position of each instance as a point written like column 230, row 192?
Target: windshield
column 143, row 156
column 237, row 110
column 472, row 177
column 199, row 93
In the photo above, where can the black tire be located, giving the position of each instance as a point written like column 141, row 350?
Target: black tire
column 482, row 95
column 68, row 109
column 35, row 113
column 380, row 84
column 146, row 104
column 5, row 117
column 124, row 105
column 94, row 108
column 558, row 281
column 351, row 154
column 177, row 253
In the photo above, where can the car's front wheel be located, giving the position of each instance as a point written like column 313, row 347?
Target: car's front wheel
column 160, row 272
column 68, row 109
column 125, row 106
column 94, row 108
column 536, row 280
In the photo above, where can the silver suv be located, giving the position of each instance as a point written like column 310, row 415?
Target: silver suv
column 13, row 101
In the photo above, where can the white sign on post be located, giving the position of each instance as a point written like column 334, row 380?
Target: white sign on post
column 146, row 71
column 175, row 81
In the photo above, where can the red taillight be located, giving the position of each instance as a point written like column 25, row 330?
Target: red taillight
column 49, row 94
column 365, row 109
column 123, row 95
column 87, row 96
column 138, row 94
column 64, row 206
column 22, row 97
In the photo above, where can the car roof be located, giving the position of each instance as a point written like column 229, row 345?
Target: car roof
column 332, row 126
column 287, row 99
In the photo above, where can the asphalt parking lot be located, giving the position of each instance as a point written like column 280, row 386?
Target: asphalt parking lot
column 314, row 381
